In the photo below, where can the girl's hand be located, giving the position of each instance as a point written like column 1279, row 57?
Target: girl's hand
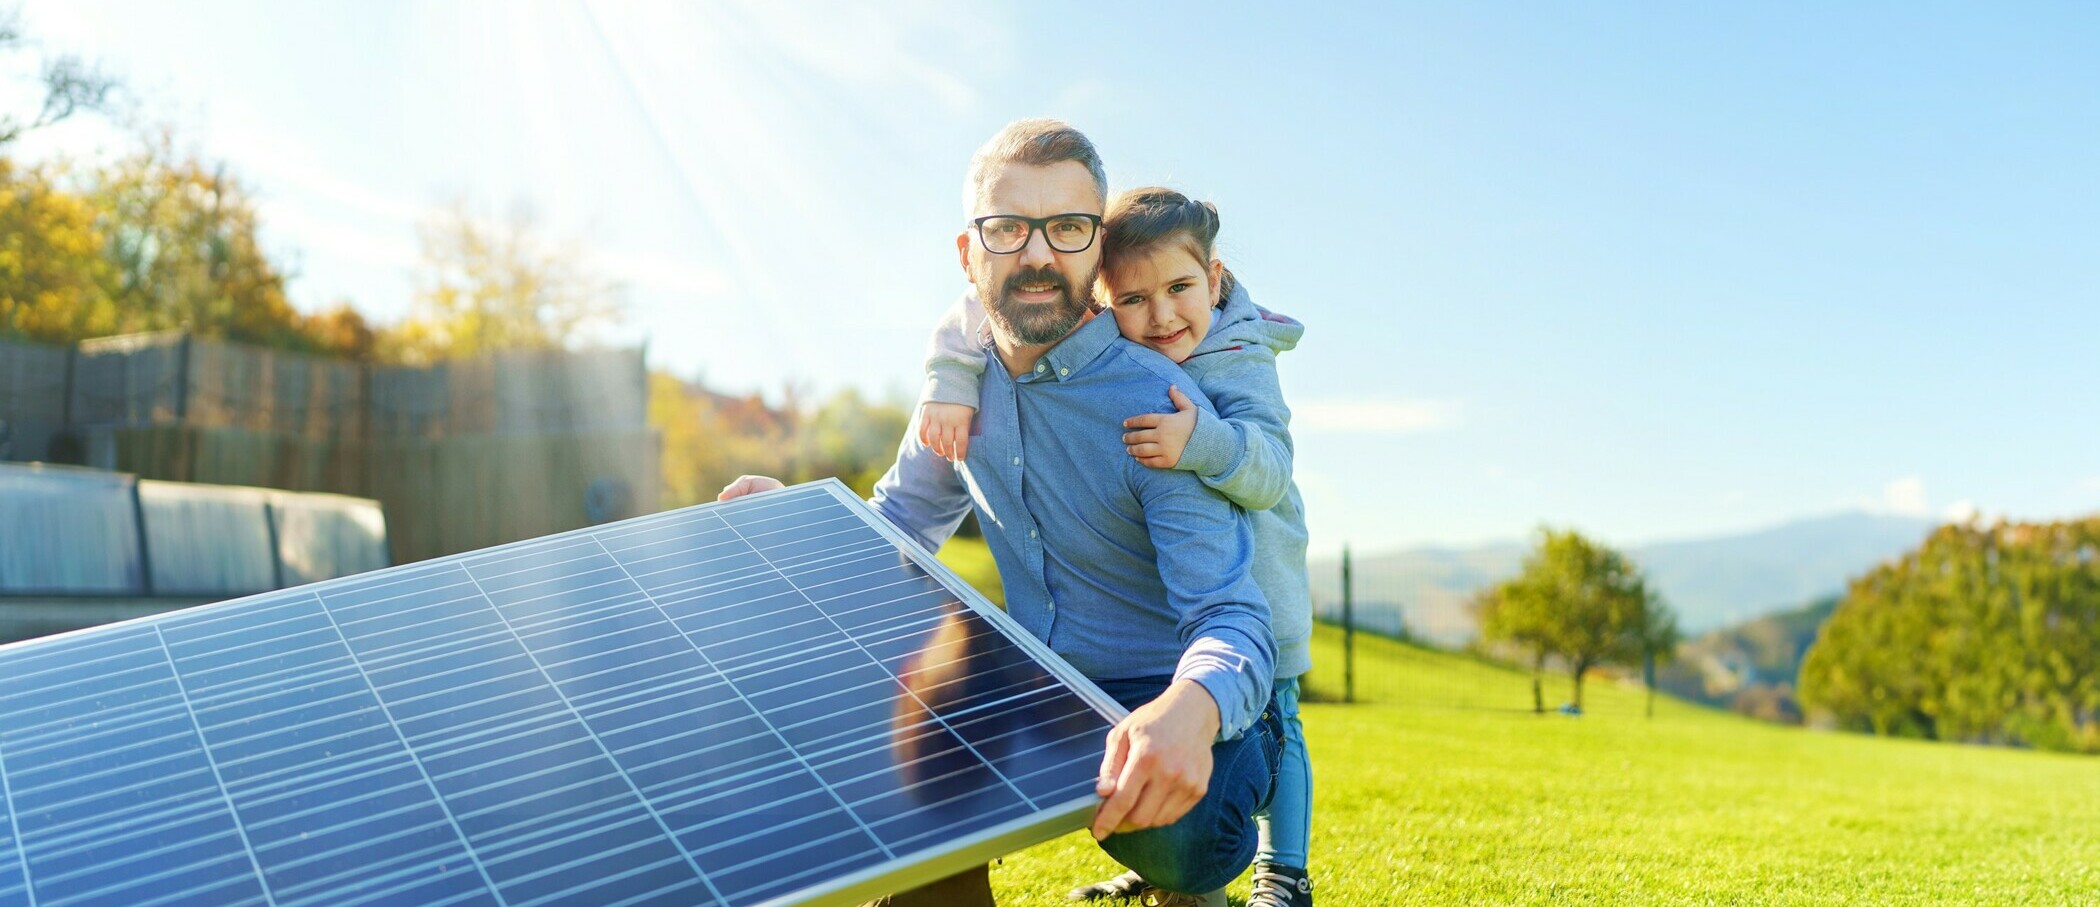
column 945, row 427
column 1161, row 437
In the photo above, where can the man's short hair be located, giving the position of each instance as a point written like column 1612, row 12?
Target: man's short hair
column 1036, row 142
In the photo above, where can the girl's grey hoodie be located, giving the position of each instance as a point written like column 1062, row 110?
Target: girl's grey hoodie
column 1244, row 452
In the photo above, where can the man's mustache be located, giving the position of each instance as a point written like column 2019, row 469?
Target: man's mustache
column 1044, row 274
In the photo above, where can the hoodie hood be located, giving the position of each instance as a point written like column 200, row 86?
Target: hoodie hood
column 1241, row 323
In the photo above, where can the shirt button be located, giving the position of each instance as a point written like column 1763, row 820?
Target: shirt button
column 1031, row 533
column 1017, row 461
column 1039, row 367
column 1063, row 372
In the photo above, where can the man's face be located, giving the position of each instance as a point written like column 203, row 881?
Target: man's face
column 1038, row 294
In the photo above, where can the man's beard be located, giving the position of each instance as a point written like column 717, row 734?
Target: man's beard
column 1035, row 324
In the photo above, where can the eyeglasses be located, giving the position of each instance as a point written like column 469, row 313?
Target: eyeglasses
column 1005, row 234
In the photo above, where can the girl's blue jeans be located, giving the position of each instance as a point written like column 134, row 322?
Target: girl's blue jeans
column 1286, row 827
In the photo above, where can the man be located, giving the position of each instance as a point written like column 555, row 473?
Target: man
column 1139, row 577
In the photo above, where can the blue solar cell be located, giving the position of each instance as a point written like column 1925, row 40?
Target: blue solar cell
column 759, row 702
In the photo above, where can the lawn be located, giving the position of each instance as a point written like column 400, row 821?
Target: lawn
column 1440, row 787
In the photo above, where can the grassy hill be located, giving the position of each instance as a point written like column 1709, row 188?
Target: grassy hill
column 1442, row 788
column 1750, row 668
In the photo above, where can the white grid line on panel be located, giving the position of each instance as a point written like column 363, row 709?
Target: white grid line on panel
column 205, row 745
column 20, row 676
column 171, row 896
column 755, row 710
column 404, row 863
column 171, row 812
column 15, row 826
column 465, row 845
column 871, row 657
column 603, row 750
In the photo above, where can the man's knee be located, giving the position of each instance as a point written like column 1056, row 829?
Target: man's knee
column 1207, row 848
column 1216, row 840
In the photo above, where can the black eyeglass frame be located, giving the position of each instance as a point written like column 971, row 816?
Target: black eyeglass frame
column 1036, row 225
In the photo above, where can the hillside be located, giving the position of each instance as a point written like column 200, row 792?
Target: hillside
column 1751, row 668
column 1710, row 582
column 1442, row 790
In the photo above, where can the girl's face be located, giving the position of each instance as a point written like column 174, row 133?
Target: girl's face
column 1163, row 297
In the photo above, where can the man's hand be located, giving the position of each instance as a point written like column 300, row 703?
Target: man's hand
column 1162, row 437
column 748, row 485
column 945, row 427
column 1158, row 762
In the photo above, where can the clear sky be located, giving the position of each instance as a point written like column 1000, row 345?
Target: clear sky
column 1652, row 270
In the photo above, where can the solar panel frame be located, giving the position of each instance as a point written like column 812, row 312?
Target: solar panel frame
column 998, row 840
column 906, row 869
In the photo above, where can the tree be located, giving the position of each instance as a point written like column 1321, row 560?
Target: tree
column 54, row 280
column 71, row 85
column 181, row 235
column 483, row 286
column 1984, row 634
column 1581, row 603
column 341, row 330
column 1512, row 615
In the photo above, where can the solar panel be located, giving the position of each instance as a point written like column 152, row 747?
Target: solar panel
column 775, row 700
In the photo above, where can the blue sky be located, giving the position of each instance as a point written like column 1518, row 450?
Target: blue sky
column 1652, row 270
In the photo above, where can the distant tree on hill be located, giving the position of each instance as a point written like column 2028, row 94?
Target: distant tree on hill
column 1511, row 616
column 1580, row 603
column 1985, row 634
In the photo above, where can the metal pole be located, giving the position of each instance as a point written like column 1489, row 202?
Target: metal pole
column 1348, row 630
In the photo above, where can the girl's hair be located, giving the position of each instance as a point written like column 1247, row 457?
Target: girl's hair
column 1140, row 220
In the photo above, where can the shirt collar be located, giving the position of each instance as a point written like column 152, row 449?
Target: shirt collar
column 1085, row 344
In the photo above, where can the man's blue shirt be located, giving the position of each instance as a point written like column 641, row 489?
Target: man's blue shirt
column 1124, row 570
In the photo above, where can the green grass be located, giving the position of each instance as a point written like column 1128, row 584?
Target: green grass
column 971, row 559
column 1442, row 788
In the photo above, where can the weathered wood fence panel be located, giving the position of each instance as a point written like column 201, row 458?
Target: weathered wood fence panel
column 462, row 454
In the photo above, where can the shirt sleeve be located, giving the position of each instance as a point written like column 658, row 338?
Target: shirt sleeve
column 1244, row 451
column 922, row 493
column 955, row 355
column 1206, row 552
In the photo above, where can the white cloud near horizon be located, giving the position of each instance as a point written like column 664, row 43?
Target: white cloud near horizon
column 1902, row 497
column 1382, row 417
column 1906, row 496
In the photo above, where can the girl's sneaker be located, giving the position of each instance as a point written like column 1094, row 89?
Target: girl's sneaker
column 1277, row 885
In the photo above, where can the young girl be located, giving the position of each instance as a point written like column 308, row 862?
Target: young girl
column 1167, row 292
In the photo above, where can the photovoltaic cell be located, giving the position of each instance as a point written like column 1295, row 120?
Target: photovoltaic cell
column 774, row 700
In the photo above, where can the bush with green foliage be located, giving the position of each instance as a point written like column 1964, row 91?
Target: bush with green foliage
column 1985, row 634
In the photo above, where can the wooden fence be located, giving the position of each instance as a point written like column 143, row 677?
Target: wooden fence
column 461, row 454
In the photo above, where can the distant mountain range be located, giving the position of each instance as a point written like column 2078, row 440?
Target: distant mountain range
column 1709, row 582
